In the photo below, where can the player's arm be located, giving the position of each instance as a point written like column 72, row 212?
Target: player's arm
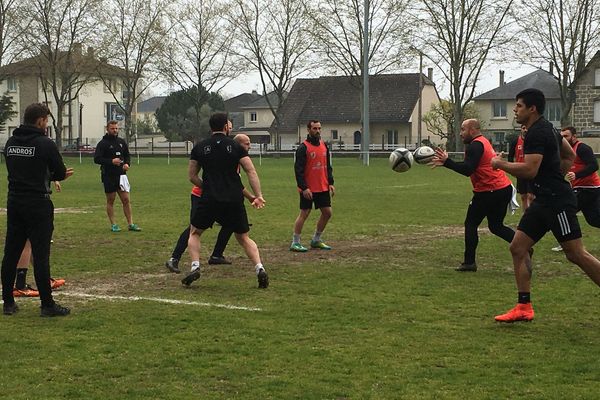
column 248, row 195
column 193, row 170
column 473, row 154
column 567, row 155
column 253, row 180
column 586, row 154
column 299, row 166
column 526, row 170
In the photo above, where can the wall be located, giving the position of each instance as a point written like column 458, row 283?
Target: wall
column 586, row 93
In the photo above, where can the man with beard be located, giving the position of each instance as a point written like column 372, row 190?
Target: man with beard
column 548, row 156
column 492, row 190
column 314, row 177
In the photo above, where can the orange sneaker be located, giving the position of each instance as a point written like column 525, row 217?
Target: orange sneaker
column 521, row 312
column 56, row 283
column 27, row 291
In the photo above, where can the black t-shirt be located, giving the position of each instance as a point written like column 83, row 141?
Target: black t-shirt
column 549, row 182
column 219, row 157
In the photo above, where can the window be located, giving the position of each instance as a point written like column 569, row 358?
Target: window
column 392, row 136
column 253, row 117
column 11, row 84
column 334, row 134
column 552, row 112
column 597, row 111
column 108, row 85
column 597, row 80
column 498, row 137
column 499, row 109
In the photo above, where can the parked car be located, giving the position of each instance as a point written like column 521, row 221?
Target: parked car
column 86, row 148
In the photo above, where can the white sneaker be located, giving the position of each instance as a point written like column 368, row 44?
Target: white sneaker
column 557, row 248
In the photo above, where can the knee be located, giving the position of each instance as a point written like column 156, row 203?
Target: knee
column 573, row 256
column 326, row 213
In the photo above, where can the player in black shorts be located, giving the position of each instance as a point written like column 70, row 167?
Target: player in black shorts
column 547, row 158
column 222, row 200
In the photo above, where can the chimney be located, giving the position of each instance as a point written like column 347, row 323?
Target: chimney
column 430, row 73
column 90, row 52
column 254, row 92
column 501, row 78
column 77, row 48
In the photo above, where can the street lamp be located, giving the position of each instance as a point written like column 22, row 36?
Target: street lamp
column 419, row 125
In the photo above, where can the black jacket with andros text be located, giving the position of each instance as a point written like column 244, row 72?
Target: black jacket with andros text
column 32, row 162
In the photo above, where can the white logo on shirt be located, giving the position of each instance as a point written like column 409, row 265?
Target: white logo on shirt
column 20, row 151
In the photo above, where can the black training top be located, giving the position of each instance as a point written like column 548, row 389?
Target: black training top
column 219, row 157
column 32, row 161
column 112, row 146
column 549, row 181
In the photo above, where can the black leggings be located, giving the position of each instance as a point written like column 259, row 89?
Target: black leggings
column 490, row 205
column 588, row 201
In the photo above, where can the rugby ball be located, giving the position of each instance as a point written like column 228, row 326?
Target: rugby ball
column 423, row 154
column 401, row 159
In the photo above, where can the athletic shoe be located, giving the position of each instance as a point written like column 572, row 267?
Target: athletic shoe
column 134, row 228
column 173, row 265
column 115, row 228
column 263, row 279
column 467, row 267
column 218, row 260
column 297, row 247
column 27, row 291
column 10, row 309
column 557, row 248
column 55, row 311
column 521, row 312
column 318, row 244
column 56, row 283
column 191, row 277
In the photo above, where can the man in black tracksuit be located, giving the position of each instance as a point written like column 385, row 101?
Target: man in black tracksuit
column 32, row 162
column 112, row 153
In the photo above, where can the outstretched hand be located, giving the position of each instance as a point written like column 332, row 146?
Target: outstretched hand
column 439, row 158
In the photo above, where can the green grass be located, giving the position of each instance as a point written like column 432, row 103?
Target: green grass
column 382, row 316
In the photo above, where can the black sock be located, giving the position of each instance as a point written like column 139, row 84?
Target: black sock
column 21, row 278
column 524, row 297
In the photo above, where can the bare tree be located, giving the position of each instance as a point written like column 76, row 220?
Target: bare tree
column 275, row 41
column 564, row 34
column 13, row 19
column 200, row 53
column 133, row 43
column 56, row 33
column 458, row 36
column 339, row 35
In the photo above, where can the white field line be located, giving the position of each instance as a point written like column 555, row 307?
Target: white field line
column 158, row 300
column 403, row 186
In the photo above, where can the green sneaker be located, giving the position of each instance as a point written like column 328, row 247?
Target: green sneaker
column 318, row 244
column 135, row 228
column 115, row 228
column 297, row 247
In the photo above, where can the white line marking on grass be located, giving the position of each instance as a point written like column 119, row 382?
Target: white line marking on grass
column 159, row 300
column 403, row 186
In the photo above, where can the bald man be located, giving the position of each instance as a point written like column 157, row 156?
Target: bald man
column 492, row 190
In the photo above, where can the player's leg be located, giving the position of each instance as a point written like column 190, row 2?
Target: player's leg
column 588, row 201
column 126, row 201
column 110, row 210
column 305, row 209
column 475, row 215
column 202, row 219
column 217, row 256
column 323, row 203
column 578, row 255
column 251, row 250
column 16, row 236
column 497, row 209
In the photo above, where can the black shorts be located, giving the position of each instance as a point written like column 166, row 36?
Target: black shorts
column 111, row 183
column 320, row 199
column 229, row 215
column 560, row 218
column 524, row 186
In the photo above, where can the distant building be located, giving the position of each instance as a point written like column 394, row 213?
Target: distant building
column 84, row 119
column 495, row 107
column 586, row 110
column 336, row 102
column 146, row 109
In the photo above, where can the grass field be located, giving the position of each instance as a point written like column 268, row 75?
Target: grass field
column 381, row 316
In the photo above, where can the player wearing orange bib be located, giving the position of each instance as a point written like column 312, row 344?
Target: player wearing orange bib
column 492, row 190
column 517, row 154
column 584, row 178
column 314, row 177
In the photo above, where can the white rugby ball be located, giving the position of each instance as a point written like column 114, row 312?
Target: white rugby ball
column 401, row 159
column 423, row 154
